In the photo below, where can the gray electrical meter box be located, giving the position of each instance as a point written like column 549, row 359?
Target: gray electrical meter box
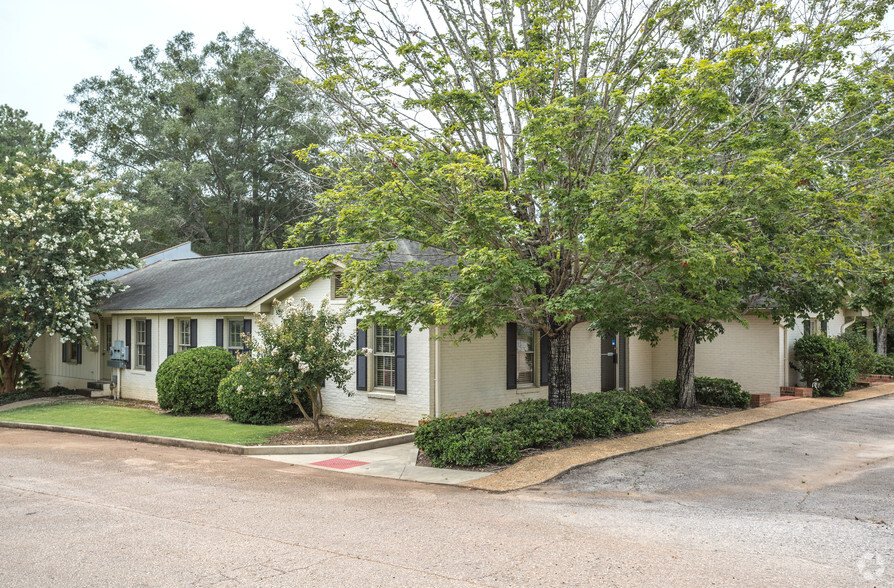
column 117, row 355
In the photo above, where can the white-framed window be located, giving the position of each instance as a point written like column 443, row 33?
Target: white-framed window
column 140, row 343
column 526, row 356
column 815, row 326
column 71, row 352
column 184, row 334
column 234, row 334
column 337, row 293
column 384, row 363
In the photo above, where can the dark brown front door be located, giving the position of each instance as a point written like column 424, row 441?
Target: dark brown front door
column 609, row 356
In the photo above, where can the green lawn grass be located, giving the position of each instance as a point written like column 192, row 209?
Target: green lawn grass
column 143, row 422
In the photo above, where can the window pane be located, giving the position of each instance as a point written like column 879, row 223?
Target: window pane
column 525, row 345
column 385, row 371
column 184, row 334
column 384, row 340
column 235, row 338
column 140, row 337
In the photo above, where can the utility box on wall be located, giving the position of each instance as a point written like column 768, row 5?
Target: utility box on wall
column 118, row 355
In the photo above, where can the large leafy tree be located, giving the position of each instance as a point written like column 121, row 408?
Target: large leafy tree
column 57, row 227
column 568, row 154
column 20, row 135
column 201, row 141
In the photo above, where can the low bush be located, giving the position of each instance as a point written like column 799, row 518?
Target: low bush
column 721, row 392
column 187, row 382
column 499, row 436
column 709, row 391
column 882, row 364
column 249, row 395
column 825, row 364
column 861, row 350
column 659, row 397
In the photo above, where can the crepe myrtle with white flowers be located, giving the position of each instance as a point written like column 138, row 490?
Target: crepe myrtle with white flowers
column 57, row 228
column 305, row 348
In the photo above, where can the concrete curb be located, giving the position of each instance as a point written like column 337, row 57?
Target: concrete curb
column 221, row 447
column 541, row 468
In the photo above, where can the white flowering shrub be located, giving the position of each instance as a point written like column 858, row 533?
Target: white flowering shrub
column 57, row 228
column 291, row 355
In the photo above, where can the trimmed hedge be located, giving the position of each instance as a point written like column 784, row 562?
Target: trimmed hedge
column 709, row 391
column 825, row 364
column 187, row 382
column 721, row 392
column 499, row 436
column 883, row 365
column 247, row 395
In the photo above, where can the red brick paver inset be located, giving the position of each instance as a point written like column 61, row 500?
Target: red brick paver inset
column 339, row 463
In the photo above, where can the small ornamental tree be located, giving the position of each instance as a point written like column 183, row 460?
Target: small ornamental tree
column 304, row 348
column 57, row 228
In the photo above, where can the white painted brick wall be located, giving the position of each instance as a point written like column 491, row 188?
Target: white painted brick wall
column 751, row 356
column 474, row 372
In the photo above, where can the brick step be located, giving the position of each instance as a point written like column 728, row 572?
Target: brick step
column 796, row 392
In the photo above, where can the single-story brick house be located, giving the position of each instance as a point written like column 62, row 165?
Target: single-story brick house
column 187, row 301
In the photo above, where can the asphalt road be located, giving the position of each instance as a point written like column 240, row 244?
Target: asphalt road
column 807, row 500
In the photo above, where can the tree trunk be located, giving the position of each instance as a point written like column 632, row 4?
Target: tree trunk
column 560, row 370
column 686, row 367
column 881, row 342
column 9, row 371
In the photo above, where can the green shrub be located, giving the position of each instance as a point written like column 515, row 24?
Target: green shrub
column 825, row 364
column 499, row 436
column 187, row 382
column 659, row 397
column 883, row 364
column 861, row 350
column 249, row 395
column 721, row 392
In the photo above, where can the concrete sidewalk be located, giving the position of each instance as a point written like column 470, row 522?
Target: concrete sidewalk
column 397, row 462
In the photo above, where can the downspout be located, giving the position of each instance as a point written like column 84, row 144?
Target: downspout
column 437, row 372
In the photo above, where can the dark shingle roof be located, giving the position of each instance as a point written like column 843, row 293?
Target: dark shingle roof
column 219, row 281
column 239, row 279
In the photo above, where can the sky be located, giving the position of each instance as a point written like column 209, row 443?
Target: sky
column 48, row 46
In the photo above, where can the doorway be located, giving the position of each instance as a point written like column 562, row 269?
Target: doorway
column 613, row 365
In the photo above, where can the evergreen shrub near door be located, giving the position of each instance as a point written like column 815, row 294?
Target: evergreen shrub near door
column 827, row 365
column 187, row 381
column 499, row 436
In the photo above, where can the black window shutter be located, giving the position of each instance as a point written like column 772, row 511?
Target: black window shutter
column 148, row 345
column 544, row 360
column 64, row 352
column 127, row 340
column 511, row 356
column 170, row 337
column 824, row 326
column 400, row 361
column 79, row 350
column 193, row 333
column 361, row 358
column 246, row 330
column 220, row 333
column 806, row 327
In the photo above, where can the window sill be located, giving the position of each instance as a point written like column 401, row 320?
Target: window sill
column 382, row 395
column 529, row 389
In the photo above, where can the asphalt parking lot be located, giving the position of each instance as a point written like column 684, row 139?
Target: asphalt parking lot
column 805, row 500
